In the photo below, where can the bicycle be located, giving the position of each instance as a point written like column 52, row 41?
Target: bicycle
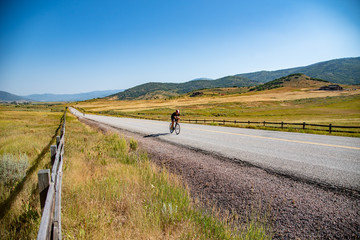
column 176, row 128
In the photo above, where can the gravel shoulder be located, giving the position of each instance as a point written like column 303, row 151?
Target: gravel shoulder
column 298, row 210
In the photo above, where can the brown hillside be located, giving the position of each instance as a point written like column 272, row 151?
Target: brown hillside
column 302, row 81
column 296, row 80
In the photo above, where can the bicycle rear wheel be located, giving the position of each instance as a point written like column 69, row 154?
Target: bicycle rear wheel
column 177, row 129
column 170, row 128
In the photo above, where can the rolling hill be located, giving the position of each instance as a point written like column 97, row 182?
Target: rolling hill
column 343, row 71
column 296, row 80
column 8, row 97
column 163, row 90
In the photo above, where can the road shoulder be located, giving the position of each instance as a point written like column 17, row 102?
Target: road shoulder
column 297, row 209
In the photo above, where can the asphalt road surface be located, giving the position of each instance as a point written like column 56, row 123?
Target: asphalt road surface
column 329, row 160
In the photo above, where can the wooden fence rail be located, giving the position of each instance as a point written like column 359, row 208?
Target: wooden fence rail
column 316, row 127
column 50, row 190
column 283, row 125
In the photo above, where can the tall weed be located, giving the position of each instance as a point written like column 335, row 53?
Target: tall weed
column 115, row 146
column 12, row 169
column 133, row 144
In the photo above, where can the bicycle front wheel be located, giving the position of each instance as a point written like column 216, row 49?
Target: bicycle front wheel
column 177, row 129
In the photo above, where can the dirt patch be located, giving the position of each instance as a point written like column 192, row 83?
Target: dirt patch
column 297, row 210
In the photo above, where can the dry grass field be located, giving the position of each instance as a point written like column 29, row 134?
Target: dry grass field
column 111, row 190
column 26, row 133
column 288, row 104
column 275, row 95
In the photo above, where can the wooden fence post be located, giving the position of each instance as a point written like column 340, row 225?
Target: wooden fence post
column 282, row 125
column 53, row 149
column 50, row 194
column 304, row 125
column 43, row 182
column 46, row 218
column 57, row 141
column 330, row 128
column 264, row 123
column 249, row 122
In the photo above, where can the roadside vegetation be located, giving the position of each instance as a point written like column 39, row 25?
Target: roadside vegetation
column 292, row 105
column 110, row 187
column 111, row 190
column 26, row 133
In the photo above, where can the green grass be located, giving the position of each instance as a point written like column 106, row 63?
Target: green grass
column 111, row 190
column 26, row 133
column 340, row 111
column 36, row 107
column 308, row 110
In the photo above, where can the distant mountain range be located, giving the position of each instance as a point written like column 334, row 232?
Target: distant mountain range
column 160, row 90
column 342, row 71
column 8, row 97
column 71, row 97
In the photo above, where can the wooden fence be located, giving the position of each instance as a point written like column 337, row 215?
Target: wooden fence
column 316, row 127
column 50, row 191
column 282, row 125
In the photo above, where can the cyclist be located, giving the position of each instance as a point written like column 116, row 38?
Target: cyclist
column 175, row 117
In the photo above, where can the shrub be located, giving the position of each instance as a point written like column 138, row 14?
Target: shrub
column 133, row 144
column 12, row 169
column 115, row 146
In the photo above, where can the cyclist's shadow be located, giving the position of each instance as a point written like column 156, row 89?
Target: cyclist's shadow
column 156, row 135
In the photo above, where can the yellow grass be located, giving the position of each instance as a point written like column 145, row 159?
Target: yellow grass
column 112, row 191
column 290, row 104
column 275, row 95
column 30, row 133
column 110, row 188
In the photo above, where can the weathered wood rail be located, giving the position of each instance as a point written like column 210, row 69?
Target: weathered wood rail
column 283, row 125
column 50, row 190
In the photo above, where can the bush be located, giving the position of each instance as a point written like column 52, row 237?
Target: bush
column 115, row 146
column 12, row 169
column 133, row 144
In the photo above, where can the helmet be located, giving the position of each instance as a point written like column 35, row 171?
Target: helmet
column 177, row 111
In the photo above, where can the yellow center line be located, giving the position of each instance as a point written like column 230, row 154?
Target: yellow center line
column 270, row 138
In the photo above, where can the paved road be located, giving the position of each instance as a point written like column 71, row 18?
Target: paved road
column 324, row 159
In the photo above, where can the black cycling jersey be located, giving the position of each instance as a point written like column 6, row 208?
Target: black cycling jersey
column 174, row 115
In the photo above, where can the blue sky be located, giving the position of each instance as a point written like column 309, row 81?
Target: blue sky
column 73, row 46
